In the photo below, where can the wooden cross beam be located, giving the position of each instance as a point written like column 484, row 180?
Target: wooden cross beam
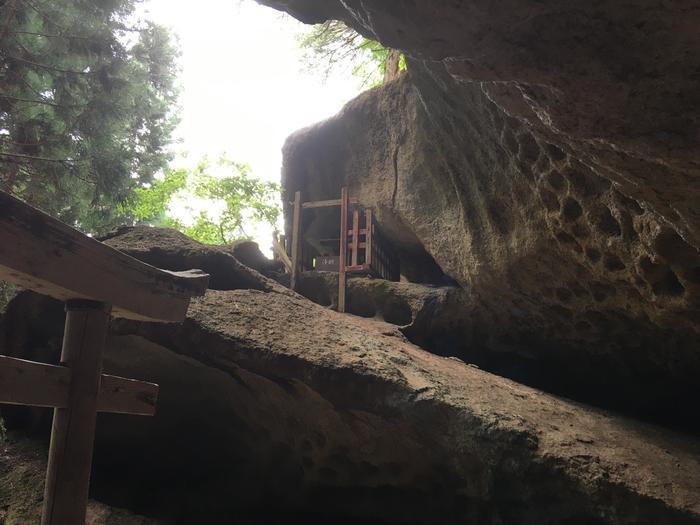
column 49, row 257
column 41, row 385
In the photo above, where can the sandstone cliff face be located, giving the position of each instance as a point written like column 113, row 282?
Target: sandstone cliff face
column 544, row 156
column 276, row 410
column 615, row 82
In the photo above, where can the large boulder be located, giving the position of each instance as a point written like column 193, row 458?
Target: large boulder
column 565, row 270
column 613, row 83
column 172, row 250
column 544, row 154
column 272, row 407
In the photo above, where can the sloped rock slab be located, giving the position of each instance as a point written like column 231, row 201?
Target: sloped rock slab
column 275, row 409
column 343, row 416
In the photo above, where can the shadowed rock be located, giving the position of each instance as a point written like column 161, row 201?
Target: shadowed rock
column 274, row 406
column 593, row 290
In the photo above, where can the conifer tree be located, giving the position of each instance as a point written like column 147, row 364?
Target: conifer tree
column 87, row 105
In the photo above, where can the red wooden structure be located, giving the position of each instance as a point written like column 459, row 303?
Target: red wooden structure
column 361, row 247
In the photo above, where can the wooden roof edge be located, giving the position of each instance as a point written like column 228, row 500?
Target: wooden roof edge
column 45, row 255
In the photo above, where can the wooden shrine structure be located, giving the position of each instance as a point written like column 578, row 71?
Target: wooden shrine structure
column 361, row 247
column 95, row 281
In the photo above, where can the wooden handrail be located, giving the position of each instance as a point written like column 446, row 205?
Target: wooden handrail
column 282, row 254
column 326, row 203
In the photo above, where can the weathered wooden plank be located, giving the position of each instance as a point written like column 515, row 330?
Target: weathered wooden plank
column 119, row 395
column 43, row 254
column 343, row 247
column 357, row 268
column 368, row 238
column 355, row 236
column 296, row 240
column 282, row 254
column 42, row 385
column 326, row 203
column 34, row 384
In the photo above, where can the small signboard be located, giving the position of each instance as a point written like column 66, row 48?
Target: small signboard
column 327, row 263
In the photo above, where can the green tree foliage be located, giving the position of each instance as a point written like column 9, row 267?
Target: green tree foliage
column 87, row 105
column 333, row 45
column 221, row 204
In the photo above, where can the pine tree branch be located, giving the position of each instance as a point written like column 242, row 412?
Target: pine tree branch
column 49, row 68
column 49, row 19
column 48, row 35
column 44, row 102
column 34, row 157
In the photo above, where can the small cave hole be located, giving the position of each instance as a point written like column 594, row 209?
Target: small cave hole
column 604, row 221
column 549, row 200
column 629, row 203
column 500, row 217
column 556, row 181
column 669, row 286
column 593, row 254
column 674, row 249
column 529, row 149
column 567, row 239
column 663, row 281
column 560, row 312
column 613, row 263
column 555, row 153
column 397, row 312
column 601, row 291
column 693, row 275
column 586, row 184
column 580, row 231
column 571, row 209
column 583, row 326
column 362, row 305
column 564, row 295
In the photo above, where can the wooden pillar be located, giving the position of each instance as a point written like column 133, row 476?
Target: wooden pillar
column 368, row 239
column 355, row 235
column 296, row 241
column 73, row 431
column 343, row 247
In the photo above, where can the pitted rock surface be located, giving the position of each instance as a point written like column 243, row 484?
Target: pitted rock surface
column 565, row 270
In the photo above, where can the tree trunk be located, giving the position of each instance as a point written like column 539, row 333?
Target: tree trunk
column 391, row 66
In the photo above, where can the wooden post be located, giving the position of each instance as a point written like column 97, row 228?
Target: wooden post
column 73, row 431
column 368, row 239
column 355, row 235
column 296, row 240
column 343, row 247
column 281, row 254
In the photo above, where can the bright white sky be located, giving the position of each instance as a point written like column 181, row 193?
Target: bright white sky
column 244, row 88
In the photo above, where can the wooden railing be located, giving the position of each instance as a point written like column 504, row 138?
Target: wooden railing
column 95, row 281
column 362, row 249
